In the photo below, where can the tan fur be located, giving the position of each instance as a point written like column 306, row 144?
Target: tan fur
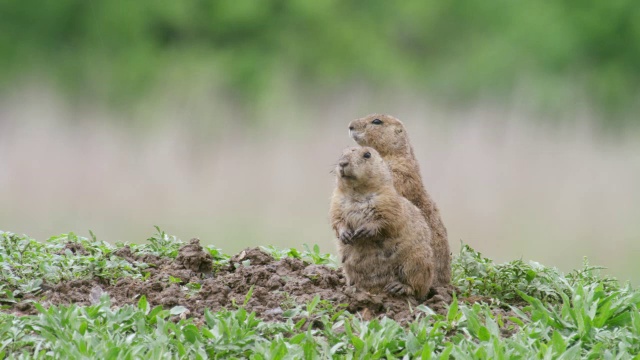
column 390, row 139
column 383, row 239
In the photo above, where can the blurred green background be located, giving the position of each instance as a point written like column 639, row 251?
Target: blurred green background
column 222, row 119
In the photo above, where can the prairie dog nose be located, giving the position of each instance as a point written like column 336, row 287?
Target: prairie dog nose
column 343, row 163
column 351, row 127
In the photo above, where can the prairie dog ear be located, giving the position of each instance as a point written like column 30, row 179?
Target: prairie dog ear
column 398, row 130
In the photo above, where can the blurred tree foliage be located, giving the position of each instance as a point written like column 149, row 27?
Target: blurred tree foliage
column 119, row 49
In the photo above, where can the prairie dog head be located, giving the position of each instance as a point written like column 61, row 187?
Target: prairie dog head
column 382, row 132
column 361, row 168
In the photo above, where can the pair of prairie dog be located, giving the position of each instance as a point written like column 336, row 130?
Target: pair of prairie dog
column 390, row 234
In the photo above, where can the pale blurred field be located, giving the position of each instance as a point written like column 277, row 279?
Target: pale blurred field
column 507, row 183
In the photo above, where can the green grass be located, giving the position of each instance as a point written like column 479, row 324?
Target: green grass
column 529, row 312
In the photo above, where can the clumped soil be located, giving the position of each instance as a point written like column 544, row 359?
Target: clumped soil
column 277, row 285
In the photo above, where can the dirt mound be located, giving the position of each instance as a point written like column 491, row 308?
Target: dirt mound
column 278, row 285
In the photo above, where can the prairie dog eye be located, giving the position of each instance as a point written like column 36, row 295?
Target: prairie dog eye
column 377, row 122
column 367, row 155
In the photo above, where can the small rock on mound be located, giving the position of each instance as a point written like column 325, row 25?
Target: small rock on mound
column 126, row 253
column 75, row 248
column 193, row 257
column 254, row 256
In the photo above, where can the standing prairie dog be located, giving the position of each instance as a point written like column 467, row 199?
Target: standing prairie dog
column 383, row 239
column 388, row 136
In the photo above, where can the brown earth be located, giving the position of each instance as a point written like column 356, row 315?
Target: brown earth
column 277, row 286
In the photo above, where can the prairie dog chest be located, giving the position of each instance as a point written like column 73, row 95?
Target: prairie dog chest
column 359, row 211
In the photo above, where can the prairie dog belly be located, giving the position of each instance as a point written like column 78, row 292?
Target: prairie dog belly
column 371, row 264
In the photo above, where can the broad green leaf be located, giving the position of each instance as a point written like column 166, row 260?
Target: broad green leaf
column 483, row 334
column 452, row 313
column 558, row 343
column 357, row 343
column 177, row 310
column 143, row 304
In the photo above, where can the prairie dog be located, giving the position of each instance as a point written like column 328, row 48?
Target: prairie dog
column 389, row 137
column 383, row 239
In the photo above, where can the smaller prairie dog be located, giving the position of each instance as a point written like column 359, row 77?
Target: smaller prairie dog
column 388, row 136
column 383, row 239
